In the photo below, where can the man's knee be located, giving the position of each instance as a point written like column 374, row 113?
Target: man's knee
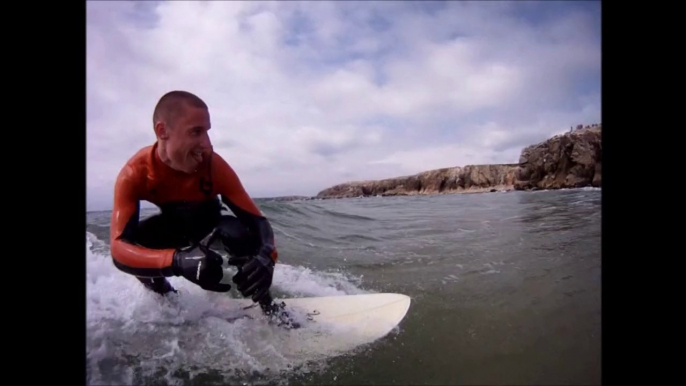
column 236, row 237
column 162, row 232
column 156, row 232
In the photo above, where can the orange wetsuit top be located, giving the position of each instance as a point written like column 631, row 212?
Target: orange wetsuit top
column 146, row 177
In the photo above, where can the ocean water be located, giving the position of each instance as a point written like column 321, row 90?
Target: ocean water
column 505, row 289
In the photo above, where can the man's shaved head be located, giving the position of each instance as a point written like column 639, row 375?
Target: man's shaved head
column 172, row 104
column 181, row 121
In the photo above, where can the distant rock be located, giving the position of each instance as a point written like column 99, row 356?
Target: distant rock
column 572, row 160
column 468, row 179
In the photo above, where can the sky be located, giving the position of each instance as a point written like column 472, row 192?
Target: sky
column 306, row 95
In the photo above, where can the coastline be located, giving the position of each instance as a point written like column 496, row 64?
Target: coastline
column 570, row 160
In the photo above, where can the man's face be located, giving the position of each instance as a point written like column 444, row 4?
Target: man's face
column 187, row 141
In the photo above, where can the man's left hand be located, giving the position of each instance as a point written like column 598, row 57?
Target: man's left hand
column 254, row 278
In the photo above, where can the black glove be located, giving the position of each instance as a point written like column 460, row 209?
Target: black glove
column 254, row 277
column 201, row 266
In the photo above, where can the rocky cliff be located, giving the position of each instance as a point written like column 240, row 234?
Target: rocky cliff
column 571, row 160
column 471, row 178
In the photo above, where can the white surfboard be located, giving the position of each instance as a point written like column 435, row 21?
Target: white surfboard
column 331, row 323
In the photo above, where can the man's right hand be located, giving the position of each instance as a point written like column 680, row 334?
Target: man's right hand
column 201, row 266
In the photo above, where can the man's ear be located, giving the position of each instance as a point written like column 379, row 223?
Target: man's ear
column 161, row 130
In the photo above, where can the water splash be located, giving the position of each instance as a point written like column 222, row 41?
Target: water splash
column 135, row 336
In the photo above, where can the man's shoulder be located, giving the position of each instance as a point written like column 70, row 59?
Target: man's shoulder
column 219, row 161
column 141, row 156
column 222, row 172
column 137, row 164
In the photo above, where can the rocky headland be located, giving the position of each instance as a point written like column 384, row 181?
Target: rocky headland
column 571, row 160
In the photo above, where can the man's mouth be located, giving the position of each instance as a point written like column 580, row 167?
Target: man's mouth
column 197, row 155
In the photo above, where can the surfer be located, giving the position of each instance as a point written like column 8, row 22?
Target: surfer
column 189, row 182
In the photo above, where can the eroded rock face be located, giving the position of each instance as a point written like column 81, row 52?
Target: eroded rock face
column 571, row 160
column 486, row 176
column 447, row 180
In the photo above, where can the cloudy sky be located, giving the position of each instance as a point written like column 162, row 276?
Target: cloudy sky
column 306, row 95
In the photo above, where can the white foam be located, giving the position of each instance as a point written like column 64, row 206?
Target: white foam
column 301, row 281
column 585, row 188
column 134, row 335
column 491, row 269
column 450, row 278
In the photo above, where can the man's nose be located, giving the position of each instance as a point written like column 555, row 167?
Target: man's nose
column 206, row 142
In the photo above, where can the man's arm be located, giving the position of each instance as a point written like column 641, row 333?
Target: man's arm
column 126, row 255
column 237, row 199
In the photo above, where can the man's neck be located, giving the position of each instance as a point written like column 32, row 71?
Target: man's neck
column 162, row 154
column 165, row 159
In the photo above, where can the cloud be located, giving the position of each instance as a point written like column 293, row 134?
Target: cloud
column 306, row 95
